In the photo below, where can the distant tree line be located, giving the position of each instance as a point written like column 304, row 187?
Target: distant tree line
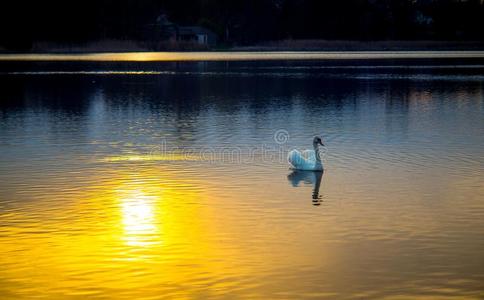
column 241, row 22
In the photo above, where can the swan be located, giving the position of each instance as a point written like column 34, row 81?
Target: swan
column 307, row 160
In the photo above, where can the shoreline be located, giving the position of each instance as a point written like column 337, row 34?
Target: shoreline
column 348, row 45
column 239, row 56
column 128, row 46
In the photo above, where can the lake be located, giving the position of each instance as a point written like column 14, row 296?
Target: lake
column 150, row 179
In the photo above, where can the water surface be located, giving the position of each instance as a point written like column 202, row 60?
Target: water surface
column 169, row 180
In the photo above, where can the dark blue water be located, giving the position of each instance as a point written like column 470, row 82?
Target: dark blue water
column 147, row 180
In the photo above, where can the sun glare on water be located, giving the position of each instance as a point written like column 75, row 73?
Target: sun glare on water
column 138, row 218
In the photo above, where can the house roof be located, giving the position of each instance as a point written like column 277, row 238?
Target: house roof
column 163, row 20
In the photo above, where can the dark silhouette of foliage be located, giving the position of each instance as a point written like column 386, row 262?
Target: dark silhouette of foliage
column 241, row 22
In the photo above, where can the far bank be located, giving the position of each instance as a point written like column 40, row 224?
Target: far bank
column 104, row 46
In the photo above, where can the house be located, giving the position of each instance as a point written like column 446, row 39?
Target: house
column 196, row 34
column 166, row 30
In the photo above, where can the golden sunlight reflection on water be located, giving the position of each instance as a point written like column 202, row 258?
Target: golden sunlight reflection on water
column 140, row 234
column 126, row 225
column 138, row 217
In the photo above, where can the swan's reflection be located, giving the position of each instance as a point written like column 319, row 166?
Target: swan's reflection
column 308, row 177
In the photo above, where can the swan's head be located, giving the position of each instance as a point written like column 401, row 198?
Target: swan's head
column 318, row 141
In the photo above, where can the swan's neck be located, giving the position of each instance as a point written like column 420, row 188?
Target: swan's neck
column 317, row 154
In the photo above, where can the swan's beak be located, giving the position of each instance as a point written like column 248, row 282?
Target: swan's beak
column 321, row 144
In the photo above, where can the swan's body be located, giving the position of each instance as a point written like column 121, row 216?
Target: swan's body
column 307, row 160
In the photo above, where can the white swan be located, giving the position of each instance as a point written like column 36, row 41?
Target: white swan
column 308, row 160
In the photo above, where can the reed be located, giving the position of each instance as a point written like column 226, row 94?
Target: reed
column 348, row 45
